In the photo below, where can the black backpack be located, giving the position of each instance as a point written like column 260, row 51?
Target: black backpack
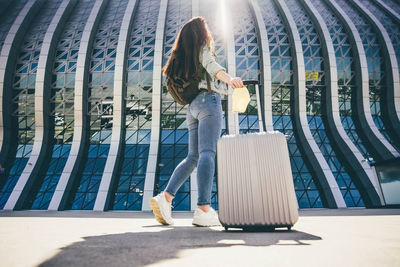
column 184, row 91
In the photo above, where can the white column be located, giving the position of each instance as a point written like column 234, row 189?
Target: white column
column 358, row 163
column 392, row 70
column 301, row 112
column 376, row 138
column 8, row 58
column 42, row 95
column 117, row 135
column 80, row 106
column 194, row 194
column 266, row 64
column 233, row 119
column 156, row 108
column 393, row 14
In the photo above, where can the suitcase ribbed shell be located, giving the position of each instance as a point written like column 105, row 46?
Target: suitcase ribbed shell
column 255, row 184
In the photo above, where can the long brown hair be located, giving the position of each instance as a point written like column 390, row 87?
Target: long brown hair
column 184, row 60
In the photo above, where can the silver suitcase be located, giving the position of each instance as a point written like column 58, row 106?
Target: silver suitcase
column 255, row 184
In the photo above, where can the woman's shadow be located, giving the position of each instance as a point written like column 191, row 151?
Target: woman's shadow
column 157, row 243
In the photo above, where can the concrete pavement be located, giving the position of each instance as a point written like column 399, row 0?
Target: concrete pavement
column 322, row 237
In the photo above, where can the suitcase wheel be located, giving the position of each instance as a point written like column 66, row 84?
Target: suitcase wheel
column 226, row 228
column 259, row 229
column 289, row 227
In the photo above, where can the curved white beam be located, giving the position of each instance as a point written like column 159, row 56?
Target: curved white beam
column 156, row 108
column 377, row 141
column 194, row 193
column 226, row 14
column 266, row 64
column 320, row 167
column 117, row 135
column 80, row 108
column 8, row 58
column 41, row 145
column 391, row 107
column 392, row 13
column 359, row 168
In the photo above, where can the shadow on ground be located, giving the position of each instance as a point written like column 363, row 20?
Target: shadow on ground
column 163, row 243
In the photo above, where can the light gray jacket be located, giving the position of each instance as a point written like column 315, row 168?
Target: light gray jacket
column 207, row 60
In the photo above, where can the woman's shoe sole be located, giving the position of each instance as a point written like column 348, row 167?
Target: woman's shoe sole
column 157, row 212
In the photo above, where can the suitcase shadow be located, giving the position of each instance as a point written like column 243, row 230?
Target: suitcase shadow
column 157, row 243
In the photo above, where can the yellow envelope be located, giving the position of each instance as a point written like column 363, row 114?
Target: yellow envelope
column 241, row 98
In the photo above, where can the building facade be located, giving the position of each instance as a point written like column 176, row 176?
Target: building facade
column 86, row 122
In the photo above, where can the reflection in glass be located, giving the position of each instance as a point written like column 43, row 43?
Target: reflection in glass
column 62, row 101
column 377, row 76
column 100, row 108
column 315, row 87
column 23, row 101
column 307, row 193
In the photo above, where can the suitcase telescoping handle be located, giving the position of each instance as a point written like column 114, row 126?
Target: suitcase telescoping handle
column 256, row 85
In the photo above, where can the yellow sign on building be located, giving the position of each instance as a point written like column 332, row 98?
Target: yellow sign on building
column 312, row 75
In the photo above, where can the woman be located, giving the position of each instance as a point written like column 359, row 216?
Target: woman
column 193, row 49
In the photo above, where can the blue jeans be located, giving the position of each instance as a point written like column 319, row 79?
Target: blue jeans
column 204, row 118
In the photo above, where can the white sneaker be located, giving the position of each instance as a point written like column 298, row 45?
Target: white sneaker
column 161, row 209
column 202, row 218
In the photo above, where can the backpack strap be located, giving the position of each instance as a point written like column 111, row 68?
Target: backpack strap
column 204, row 71
column 208, row 83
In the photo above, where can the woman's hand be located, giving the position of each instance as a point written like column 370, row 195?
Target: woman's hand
column 236, row 82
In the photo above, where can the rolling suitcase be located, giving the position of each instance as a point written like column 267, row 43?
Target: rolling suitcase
column 255, row 184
